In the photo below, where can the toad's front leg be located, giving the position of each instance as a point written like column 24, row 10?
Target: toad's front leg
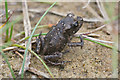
column 73, row 44
column 49, row 58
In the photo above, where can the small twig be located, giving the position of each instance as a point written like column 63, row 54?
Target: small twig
column 106, row 31
column 93, row 35
column 57, row 13
column 27, row 27
column 32, row 10
column 19, row 54
column 41, row 11
column 91, row 20
column 99, row 28
column 35, row 71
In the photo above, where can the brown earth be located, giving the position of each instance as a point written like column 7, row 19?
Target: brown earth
column 92, row 61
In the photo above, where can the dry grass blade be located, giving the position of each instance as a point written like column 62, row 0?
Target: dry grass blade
column 104, row 13
column 102, row 9
column 94, row 39
column 97, row 29
column 8, row 48
column 27, row 27
column 90, row 9
column 11, row 48
column 98, row 40
column 86, row 4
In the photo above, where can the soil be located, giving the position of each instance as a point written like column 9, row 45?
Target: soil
column 92, row 61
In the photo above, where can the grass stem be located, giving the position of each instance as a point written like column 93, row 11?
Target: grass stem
column 6, row 9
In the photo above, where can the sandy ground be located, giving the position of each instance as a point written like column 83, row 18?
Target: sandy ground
column 92, row 61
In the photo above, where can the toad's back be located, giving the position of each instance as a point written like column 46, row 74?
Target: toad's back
column 57, row 38
column 54, row 41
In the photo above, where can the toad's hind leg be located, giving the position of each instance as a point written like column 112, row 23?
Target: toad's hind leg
column 49, row 58
column 39, row 43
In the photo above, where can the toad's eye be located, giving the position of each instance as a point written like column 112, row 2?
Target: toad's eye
column 75, row 24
